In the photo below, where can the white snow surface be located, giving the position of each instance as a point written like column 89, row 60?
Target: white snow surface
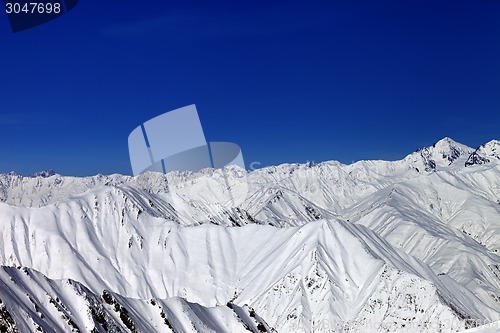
column 374, row 246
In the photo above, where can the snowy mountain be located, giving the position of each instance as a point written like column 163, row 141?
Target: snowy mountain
column 441, row 154
column 374, row 246
column 484, row 153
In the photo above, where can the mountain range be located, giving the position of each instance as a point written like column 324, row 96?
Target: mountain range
column 374, row 246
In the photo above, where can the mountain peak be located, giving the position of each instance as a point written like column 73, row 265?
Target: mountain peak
column 445, row 140
column 485, row 153
column 490, row 149
column 442, row 153
column 448, row 143
column 44, row 173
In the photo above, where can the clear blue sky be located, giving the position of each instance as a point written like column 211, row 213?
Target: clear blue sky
column 287, row 81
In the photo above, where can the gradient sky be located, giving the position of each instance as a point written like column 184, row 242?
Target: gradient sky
column 287, row 81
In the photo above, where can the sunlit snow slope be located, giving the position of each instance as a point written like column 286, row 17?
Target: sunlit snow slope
column 374, row 246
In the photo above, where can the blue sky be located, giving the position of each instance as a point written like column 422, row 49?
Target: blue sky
column 287, row 81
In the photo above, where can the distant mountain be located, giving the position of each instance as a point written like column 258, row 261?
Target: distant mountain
column 44, row 174
column 374, row 246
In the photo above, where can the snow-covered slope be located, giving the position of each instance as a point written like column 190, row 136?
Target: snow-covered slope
column 409, row 245
column 47, row 305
